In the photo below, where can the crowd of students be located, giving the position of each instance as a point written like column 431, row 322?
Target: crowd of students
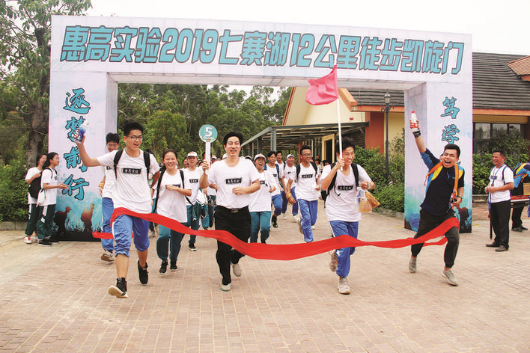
column 242, row 195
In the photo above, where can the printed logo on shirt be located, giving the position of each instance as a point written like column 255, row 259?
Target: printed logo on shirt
column 233, row 181
column 345, row 187
column 262, row 182
column 131, row 171
column 307, row 176
column 194, row 181
column 108, row 168
column 176, row 185
column 275, row 175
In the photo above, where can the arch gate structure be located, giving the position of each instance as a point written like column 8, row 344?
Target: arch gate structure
column 91, row 55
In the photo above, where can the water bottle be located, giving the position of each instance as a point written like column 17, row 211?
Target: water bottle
column 414, row 122
column 81, row 132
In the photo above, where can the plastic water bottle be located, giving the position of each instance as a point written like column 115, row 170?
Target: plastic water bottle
column 414, row 121
column 81, row 132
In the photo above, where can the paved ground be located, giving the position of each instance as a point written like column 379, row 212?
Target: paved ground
column 55, row 299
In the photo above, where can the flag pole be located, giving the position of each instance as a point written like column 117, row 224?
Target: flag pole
column 338, row 117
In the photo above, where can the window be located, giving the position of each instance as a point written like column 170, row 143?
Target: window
column 483, row 132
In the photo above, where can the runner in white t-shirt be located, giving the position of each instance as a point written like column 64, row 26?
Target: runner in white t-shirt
column 260, row 203
column 212, row 193
column 235, row 179
column 343, row 215
column 307, row 191
column 33, row 176
column 171, row 202
column 192, row 174
column 107, row 205
column 131, row 192
column 276, row 176
column 50, row 184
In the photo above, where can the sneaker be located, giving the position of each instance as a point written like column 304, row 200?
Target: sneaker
column 107, row 255
column 492, row 245
column 313, row 227
column 45, row 242
column 151, row 233
column 226, row 287
column 274, row 222
column 54, row 239
column 343, row 286
column 284, row 216
column 412, row 265
column 517, row 229
column 523, row 228
column 333, row 262
column 236, row 269
column 173, row 266
column 205, row 228
column 34, row 239
column 501, row 249
column 295, row 219
column 448, row 275
column 163, row 267
column 143, row 274
column 27, row 240
column 192, row 247
column 120, row 289
column 299, row 221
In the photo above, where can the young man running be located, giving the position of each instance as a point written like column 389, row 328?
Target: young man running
column 288, row 171
column 341, row 181
column 192, row 175
column 131, row 192
column 276, row 176
column 236, row 178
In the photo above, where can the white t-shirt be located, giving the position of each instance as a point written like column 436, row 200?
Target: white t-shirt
column 49, row 177
column 288, row 172
column 171, row 204
column 273, row 174
column 341, row 199
column 192, row 182
column 305, row 186
column 496, row 176
column 31, row 172
column 131, row 189
column 260, row 201
column 211, row 191
column 110, row 181
column 227, row 178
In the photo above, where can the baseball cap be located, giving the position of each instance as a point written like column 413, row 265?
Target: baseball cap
column 259, row 155
column 214, row 157
column 192, row 154
column 290, row 155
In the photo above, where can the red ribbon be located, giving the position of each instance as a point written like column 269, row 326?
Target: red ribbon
column 287, row 251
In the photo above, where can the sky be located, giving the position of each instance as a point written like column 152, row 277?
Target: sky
column 496, row 27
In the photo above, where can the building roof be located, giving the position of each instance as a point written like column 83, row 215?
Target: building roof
column 495, row 85
column 521, row 66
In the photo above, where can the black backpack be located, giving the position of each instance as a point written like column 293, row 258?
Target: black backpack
column 147, row 162
column 34, row 187
column 355, row 174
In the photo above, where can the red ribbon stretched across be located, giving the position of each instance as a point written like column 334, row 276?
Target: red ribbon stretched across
column 286, row 251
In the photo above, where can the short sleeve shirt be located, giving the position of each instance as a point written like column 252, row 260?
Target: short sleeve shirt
column 171, row 204
column 499, row 177
column 306, row 183
column 49, row 176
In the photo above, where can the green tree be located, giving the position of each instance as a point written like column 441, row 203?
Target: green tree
column 25, row 29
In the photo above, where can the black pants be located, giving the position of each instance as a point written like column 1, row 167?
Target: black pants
column 237, row 223
column 500, row 221
column 427, row 223
column 516, row 216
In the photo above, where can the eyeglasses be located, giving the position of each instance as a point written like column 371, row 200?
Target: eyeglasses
column 307, row 154
column 136, row 138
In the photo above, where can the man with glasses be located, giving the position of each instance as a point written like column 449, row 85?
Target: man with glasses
column 107, row 206
column 235, row 178
column 132, row 192
column 307, row 191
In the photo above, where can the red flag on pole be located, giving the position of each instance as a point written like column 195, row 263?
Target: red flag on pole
column 323, row 90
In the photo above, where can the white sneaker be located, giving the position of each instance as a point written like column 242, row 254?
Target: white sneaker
column 35, row 240
column 284, row 216
column 236, row 269
column 343, row 286
column 151, row 233
column 27, row 240
column 107, row 256
column 295, row 219
column 313, row 227
column 226, row 287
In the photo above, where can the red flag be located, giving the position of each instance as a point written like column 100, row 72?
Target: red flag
column 323, row 90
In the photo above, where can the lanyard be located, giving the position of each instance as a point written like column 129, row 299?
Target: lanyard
column 495, row 175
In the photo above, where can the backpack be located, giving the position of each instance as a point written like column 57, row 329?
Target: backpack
column 298, row 169
column 34, row 187
column 147, row 162
column 160, row 181
column 518, row 174
column 355, row 174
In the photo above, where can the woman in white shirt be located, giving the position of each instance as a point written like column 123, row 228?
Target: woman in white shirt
column 170, row 202
column 260, row 203
column 33, row 176
column 50, row 185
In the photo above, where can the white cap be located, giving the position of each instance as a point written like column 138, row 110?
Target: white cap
column 192, row 154
column 214, row 157
column 225, row 156
column 290, row 155
column 259, row 155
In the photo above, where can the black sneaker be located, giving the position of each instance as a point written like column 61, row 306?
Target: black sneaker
column 173, row 266
column 120, row 289
column 275, row 222
column 54, row 238
column 143, row 274
column 45, row 242
column 192, row 247
column 163, row 267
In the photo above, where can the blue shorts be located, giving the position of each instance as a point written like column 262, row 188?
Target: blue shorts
column 124, row 226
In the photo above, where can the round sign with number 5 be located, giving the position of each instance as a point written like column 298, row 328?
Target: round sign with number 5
column 208, row 133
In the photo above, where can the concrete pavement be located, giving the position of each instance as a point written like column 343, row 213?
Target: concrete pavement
column 55, row 299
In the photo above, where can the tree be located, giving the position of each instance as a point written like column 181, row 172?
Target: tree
column 25, row 29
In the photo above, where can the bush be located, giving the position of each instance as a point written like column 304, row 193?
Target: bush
column 482, row 165
column 14, row 190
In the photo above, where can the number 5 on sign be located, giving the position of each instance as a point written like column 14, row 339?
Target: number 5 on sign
column 208, row 134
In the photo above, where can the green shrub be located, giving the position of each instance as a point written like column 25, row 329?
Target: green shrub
column 391, row 197
column 14, row 190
